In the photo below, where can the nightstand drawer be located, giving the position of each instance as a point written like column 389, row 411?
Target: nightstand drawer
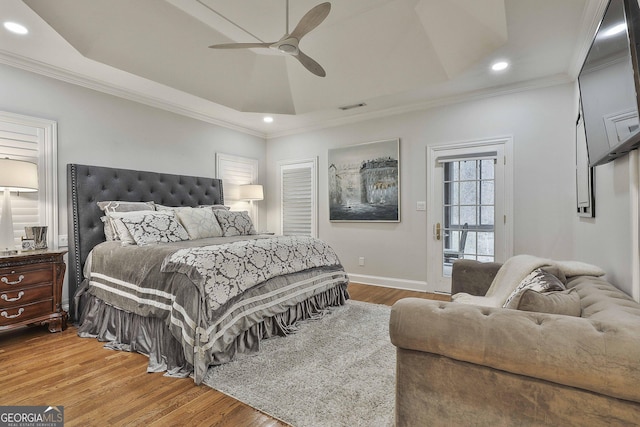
column 24, row 312
column 13, row 278
column 25, row 296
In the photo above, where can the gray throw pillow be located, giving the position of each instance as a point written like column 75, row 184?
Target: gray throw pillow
column 554, row 302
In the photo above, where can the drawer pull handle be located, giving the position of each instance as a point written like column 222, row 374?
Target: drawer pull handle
column 4, row 314
column 5, row 280
column 7, row 299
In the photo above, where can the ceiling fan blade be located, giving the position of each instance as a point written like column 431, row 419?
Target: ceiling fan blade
column 311, row 20
column 310, row 64
column 239, row 45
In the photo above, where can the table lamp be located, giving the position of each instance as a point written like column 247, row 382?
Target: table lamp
column 15, row 175
column 251, row 192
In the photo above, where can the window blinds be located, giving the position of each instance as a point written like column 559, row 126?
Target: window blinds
column 298, row 199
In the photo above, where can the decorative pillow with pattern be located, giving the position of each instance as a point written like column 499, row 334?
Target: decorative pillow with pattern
column 538, row 280
column 119, row 230
column 121, row 206
column 199, row 223
column 226, row 208
column 234, row 223
column 109, row 233
column 155, row 227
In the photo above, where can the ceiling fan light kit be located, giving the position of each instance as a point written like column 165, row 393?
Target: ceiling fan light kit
column 288, row 44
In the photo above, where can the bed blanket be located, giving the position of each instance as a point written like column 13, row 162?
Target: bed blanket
column 514, row 270
column 225, row 271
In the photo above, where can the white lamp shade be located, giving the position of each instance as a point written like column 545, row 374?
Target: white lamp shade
column 250, row 192
column 18, row 175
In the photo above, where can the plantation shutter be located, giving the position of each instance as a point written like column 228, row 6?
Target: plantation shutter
column 298, row 201
column 234, row 172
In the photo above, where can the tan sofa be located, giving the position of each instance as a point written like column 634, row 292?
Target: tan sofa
column 466, row 365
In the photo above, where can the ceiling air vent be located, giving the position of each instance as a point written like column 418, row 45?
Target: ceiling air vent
column 352, row 106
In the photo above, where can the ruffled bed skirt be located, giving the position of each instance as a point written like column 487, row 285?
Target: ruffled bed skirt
column 151, row 336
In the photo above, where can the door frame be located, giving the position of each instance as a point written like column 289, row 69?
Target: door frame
column 433, row 260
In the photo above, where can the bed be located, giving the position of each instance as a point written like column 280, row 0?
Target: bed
column 187, row 298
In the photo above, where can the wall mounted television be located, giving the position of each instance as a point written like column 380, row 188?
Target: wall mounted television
column 610, row 83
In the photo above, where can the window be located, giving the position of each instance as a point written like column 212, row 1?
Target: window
column 34, row 140
column 235, row 171
column 469, row 209
column 298, row 183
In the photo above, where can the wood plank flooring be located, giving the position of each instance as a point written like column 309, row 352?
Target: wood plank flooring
column 100, row 387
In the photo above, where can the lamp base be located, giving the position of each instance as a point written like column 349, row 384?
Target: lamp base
column 6, row 224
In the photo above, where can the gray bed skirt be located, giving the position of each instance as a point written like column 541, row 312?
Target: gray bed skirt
column 150, row 336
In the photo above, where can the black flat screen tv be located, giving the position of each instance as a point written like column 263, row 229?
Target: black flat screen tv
column 610, row 83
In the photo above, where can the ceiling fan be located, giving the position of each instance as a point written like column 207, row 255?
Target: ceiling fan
column 288, row 44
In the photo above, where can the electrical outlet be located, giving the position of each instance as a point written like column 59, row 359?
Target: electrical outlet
column 63, row 240
column 361, row 261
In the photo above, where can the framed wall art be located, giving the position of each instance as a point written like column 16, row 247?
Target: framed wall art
column 364, row 182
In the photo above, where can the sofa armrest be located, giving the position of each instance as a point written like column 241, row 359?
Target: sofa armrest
column 472, row 277
column 573, row 351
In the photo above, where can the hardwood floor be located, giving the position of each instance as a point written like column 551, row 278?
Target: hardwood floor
column 100, row 387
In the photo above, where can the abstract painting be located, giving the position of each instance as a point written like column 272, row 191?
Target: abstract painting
column 364, row 182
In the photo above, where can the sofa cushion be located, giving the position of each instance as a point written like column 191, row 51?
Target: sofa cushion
column 538, row 280
column 555, row 302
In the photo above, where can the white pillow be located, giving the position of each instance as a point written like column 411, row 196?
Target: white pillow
column 200, row 223
column 155, row 227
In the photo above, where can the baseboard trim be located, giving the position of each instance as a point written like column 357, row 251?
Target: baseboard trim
column 389, row 282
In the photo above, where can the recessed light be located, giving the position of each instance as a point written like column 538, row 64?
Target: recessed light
column 16, row 28
column 500, row 65
column 268, row 119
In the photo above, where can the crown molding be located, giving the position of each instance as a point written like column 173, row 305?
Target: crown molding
column 78, row 79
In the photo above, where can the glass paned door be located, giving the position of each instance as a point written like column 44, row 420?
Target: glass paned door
column 470, row 196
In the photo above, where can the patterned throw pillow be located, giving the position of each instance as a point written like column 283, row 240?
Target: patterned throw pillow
column 119, row 230
column 234, row 223
column 200, row 223
column 226, row 208
column 120, row 206
column 155, row 227
column 538, row 280
column 109, row 232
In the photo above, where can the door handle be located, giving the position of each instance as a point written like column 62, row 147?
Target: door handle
column 437, row 230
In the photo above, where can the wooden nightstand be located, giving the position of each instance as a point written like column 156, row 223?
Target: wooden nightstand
column 31, row 289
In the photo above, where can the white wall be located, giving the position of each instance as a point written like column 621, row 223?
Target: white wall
column 99, row 129
column 606, row 240
column 542, row 124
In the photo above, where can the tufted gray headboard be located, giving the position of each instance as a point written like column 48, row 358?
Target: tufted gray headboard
column 87, row 185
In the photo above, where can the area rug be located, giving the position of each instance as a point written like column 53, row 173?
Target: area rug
column 335, row 371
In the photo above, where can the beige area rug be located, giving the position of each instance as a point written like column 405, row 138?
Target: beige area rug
column 335, row 371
